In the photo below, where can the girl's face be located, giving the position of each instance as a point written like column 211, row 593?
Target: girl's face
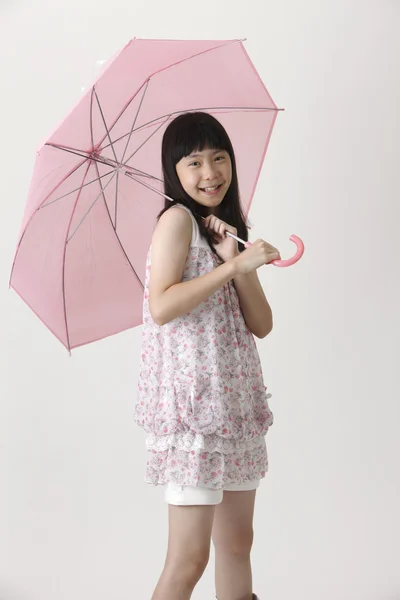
column 206, row 176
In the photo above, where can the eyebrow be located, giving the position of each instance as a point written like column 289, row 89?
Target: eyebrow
column 197, row 154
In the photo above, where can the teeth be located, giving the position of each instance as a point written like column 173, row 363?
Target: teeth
column 210, row 189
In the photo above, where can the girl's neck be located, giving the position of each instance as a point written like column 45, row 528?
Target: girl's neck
column 214, row 211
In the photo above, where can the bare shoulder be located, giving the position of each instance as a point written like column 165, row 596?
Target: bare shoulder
column 171, row 240
column 174, row 223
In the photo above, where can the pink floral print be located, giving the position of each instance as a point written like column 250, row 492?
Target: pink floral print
column 201, row 395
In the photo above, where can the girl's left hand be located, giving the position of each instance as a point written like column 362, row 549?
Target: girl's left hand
column 225, row 246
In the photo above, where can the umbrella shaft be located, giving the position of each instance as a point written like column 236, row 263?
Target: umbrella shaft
column 172, row 200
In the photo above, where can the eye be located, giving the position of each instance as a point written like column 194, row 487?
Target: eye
column 195, row 162
column 220, row 157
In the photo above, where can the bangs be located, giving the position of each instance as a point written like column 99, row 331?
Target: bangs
column 187, row 134
column 196, row 135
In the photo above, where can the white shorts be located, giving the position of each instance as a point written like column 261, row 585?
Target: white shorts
column 187, row 495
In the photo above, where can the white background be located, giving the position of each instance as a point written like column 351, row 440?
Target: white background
column 76, row 520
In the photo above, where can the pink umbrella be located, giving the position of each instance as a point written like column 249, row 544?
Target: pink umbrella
column 96, row 187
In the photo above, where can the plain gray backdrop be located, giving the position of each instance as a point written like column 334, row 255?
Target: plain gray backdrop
column 76, row 520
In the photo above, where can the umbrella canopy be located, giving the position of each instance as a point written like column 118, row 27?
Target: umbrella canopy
column 97, row 181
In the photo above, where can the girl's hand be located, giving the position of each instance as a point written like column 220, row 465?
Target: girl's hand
column 256, row 255
column 225, row 246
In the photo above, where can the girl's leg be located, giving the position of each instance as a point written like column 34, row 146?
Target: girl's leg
column 188, row 551
column 232, row 536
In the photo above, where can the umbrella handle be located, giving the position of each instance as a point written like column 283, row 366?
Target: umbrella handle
column 290, row 261
column 277, row 263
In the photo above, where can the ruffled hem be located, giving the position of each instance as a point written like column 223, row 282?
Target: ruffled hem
column 190, row 440
column 209, row 469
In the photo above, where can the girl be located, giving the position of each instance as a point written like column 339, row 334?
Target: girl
column 201, row 395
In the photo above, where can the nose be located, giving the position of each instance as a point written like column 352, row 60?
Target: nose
column 210, row 170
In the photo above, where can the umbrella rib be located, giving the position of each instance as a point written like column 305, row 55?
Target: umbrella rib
column 177, row 112
column 104, row 123
column 63, row 266
column 116, row 201
column 143, row 173
column 98, row 159
column 75, row 190
column 121, row 114
column 232, row 108
column 135, row 119
column 109, row 216
column 88, row 155
column 117, row 236
column 147, row 139
column 150, row 187
column 91, row 118
column 89, row 209
column 31, row 217
column 178, row 62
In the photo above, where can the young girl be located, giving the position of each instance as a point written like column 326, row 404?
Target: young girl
column 201, row 395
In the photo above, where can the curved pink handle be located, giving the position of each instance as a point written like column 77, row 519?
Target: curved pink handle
column 289, row 261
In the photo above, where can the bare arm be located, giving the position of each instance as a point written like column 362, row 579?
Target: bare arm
column 255, row 307
column 169, row 297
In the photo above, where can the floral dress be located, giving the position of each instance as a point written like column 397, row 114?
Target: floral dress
column 201, row 395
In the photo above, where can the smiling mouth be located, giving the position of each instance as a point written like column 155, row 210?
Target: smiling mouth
column 209, row 190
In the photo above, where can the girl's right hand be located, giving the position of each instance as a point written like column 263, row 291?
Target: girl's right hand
column 256, row 255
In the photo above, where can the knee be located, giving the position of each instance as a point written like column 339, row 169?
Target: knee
column 238, row 543
column 188, row 568
column 196, row 565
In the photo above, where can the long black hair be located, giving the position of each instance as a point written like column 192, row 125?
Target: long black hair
column 194, row 132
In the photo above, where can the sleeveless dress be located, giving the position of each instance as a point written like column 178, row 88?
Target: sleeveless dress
column 201, row 395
